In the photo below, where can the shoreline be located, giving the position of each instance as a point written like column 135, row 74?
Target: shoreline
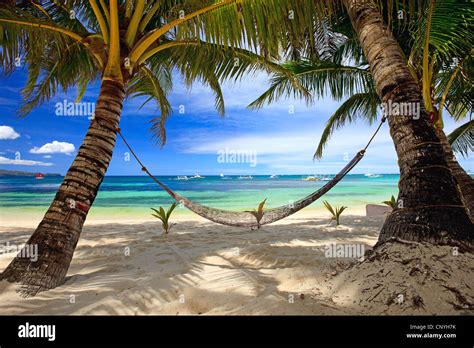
column 112, row 215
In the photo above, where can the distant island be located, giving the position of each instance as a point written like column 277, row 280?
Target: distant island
column 20, row 173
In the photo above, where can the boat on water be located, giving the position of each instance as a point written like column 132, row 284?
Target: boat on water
column 311, row 178
column 273, row 176
column 245, row 177
column 370, row 175
column 39, row 176
column 183, row 177
column 197, row 176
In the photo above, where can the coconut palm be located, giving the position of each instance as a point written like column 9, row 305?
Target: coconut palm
column 133, row 48
column 449, row 82
column 431, row 207
column 442, row 60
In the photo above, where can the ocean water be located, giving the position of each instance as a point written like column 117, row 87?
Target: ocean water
column 134, row 195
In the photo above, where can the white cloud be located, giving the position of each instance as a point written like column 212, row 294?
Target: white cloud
column 7, row 132
column 291, row 152
column 54, row 147
column 262, row 144
column 19, row 162
column 47, row 156
column 296, row 144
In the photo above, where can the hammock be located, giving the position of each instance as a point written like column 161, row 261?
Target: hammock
column 246, row 219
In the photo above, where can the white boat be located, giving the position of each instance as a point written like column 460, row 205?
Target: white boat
column 273, row 176
column 243, row 177
column 197, row 176
column 311, row 178
column 370, row 175
column 182, row 177
column 223, row 177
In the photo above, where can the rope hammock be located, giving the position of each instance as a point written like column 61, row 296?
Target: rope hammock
column 246, row 219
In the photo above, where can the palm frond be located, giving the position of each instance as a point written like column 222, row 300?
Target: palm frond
column 210, row 64
column 56, row 70
column 259, row 25
column 154, row 84
column 53, row 45
column 455, row 84
column 213, row 82
column 462, row 139
column 360, row 105
column 318, row 77
column 450, row 30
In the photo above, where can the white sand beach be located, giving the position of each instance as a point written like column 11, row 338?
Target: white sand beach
column 130, row 268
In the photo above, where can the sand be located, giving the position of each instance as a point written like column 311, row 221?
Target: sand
column 131, row 268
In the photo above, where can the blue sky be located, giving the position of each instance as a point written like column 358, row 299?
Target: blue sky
column 274, row 140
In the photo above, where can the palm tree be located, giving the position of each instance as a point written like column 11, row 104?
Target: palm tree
column 448, row 84
column 428, row 213
column 442, row 54
column 133, row 48
column 431, row 208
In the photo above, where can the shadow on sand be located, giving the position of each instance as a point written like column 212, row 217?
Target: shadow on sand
column 199, row 268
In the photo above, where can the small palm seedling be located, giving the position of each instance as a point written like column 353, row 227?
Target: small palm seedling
column 164, row 216
column 335, row 212
column 259, row 212
column 391, row 203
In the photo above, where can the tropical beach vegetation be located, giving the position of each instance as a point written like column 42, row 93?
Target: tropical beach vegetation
column 335, row 211
column 259, row 212
column 392, row 202
column 164, row 216
column 134, row 48
column 439, row 58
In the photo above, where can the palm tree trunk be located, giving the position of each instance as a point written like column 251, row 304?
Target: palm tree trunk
column 429, row 206
column 57, row 235
column 464, row 180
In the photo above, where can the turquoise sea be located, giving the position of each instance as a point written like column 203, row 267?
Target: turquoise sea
column 134, row 195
